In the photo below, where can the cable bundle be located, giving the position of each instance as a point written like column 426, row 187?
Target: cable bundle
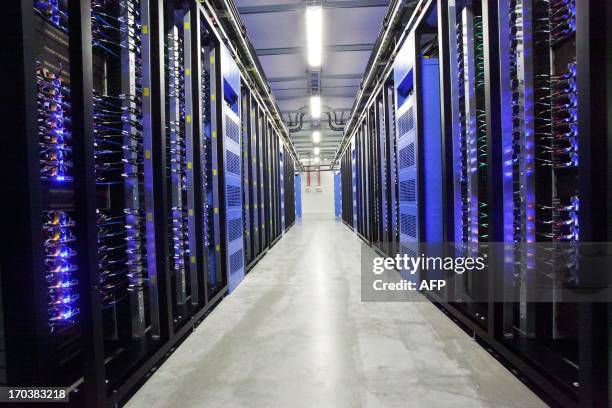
column 54, row 133
column 465, row 212
column 209, row 238
column 518, row 133
column 60, row 268
column 177, row 151
column 54, row 11
column 111, row 258
column 564, row 114
column 115, row 26
column 118, row 133
column 562, row 19
column 53, row 126
column 479, row 148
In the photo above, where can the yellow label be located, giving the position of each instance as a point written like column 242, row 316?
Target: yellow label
column 188, row 71
column 145, row 29
column 145, row 91
column 152, row 280
column 212, row 59
column 216, row 210
column 212, row 97
column 214, row 172
column 148, row 154
column 191, row 212
column 150, row 216
column 187, row 25
column 218, row 248
column 214, row 134
column 189, row 165
column 193, row 258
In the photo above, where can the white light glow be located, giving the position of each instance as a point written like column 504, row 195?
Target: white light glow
column 316, row 136
column 315, row 107
column 316, row 160
column 316, row 150
column 314, row 34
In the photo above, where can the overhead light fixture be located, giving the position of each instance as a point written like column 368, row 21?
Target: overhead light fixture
column 314, row 34
column 315, row 106
column 316, row 136
column 316, row 150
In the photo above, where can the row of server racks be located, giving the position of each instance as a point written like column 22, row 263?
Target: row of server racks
column 491, row 124
column 142, row 176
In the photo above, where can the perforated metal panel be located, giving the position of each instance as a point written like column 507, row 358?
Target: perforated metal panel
column 232, row 162
column 233, row 198
column 408, row 193
column 236, row 262
column 407, row 156
column 337, row 193
column 232, row 131
column 234, row 229
column 298, row 196
column 406, row 121
column 407, row 146
column 408, row 225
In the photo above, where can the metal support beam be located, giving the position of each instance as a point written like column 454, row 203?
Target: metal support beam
column 283, row 8
column 303, row 77
column 298, row 110
column 291, row 98
column 330, row 48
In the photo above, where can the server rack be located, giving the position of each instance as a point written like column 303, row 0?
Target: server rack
column 291, row 193
column 337, row 194
column 278, row 192
column 298, row 196
column 512, row 158
column 123, row 216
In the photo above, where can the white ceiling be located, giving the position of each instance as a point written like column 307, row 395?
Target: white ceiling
column 277, row 31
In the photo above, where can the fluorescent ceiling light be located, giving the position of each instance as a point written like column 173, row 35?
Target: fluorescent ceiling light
column 315, row 107
column 316, row 150
column 314, row 33
column 316, row 136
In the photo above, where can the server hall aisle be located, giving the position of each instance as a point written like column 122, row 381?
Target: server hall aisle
column 295, row 334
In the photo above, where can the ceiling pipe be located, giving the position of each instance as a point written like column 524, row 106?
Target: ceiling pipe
column 298, row 126
column 339, row 128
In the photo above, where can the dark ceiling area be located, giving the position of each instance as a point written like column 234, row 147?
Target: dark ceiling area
column 277, row 30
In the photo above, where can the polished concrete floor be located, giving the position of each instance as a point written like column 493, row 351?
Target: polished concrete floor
column 295, row 334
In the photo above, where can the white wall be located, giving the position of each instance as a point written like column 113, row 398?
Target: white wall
column 318, row 199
